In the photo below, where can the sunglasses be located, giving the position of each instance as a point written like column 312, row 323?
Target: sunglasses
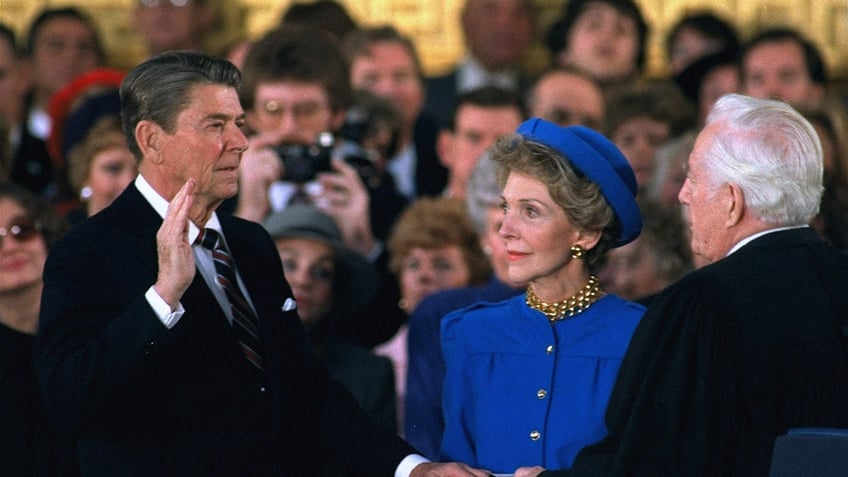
column 21, row 229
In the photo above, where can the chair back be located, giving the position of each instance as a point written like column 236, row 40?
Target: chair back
column 805, row 452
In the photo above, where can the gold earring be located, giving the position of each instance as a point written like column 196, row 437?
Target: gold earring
column 576, row 252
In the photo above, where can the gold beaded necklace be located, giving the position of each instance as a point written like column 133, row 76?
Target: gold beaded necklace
column 569, row 307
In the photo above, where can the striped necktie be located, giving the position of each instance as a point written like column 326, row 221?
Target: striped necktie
column 245, row 323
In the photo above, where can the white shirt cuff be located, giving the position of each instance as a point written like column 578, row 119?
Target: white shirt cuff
column 163, row 311
column 408, row 463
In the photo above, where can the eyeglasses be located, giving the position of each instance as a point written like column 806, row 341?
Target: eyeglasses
column 21, row 229
column 303, row 111
column 173, row 3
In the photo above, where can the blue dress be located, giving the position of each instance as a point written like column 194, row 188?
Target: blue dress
column 520, row 391
column 426, row 371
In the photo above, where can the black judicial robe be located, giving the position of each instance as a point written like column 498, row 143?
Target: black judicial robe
column 731, row 356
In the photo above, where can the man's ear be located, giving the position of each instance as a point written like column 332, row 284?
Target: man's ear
column 444, row 144
column 735, row 205
column 148, row 135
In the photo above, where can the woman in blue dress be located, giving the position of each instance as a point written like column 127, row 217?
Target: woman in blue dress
column 528, row 378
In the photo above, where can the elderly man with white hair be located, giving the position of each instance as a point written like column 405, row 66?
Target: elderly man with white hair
column 753, row 343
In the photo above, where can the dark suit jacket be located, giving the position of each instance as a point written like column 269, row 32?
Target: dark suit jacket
column 442, row 97
column 431, row 176
column 32, row 166
column 730, row 357
column 145, row 400
column 368, row 377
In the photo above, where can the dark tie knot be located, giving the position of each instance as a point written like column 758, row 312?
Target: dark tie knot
column 208, row 238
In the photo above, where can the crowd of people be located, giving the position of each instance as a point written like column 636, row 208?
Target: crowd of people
column 302, row 255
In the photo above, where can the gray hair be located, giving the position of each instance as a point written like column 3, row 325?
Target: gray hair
column 483, row 191
column 160, row 88
column 771, row 153
column 669, row 158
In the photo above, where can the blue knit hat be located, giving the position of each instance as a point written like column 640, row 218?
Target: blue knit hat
column 80, row 121
column 600, row 161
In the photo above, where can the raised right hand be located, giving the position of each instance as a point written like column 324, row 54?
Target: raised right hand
column 176, row 260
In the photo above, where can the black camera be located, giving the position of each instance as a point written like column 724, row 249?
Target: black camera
column 301, row 163
column 361, row 159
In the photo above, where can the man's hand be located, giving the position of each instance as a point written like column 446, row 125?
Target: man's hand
column 447, row 469
column 260, row 167
column 528, row 471
column 345, row 198
column 176, row 260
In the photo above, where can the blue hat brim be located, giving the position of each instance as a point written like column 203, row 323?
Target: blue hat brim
column 597, row 158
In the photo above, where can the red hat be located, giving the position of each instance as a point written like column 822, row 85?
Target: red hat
column 66, row 99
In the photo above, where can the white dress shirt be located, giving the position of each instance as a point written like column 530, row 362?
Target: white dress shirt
column 472, row 75
column 747, row 240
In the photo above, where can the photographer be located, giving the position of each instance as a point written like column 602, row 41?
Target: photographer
column 296, row 94
column 296, row 88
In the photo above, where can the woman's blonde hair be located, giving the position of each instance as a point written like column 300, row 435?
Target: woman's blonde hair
column 105, row 134
column 580, row 198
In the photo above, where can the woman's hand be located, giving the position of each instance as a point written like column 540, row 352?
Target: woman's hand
column 528, row 471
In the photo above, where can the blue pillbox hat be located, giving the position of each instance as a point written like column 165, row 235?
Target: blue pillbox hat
column 600, row 161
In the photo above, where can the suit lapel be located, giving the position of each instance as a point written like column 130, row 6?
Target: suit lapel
column 134, row 214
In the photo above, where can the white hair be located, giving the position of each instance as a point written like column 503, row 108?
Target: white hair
column 669, row 157
column 482, row 192
column 771, row 153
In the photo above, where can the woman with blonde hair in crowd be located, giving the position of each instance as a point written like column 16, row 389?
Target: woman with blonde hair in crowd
column 100, row 168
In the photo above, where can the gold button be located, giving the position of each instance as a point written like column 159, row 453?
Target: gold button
column 550, row 349
column 541, row 394
column 535, row 435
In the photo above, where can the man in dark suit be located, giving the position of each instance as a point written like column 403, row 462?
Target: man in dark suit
column 498, row 35
column 166, row 358
column 386, row 63
column 755, row 342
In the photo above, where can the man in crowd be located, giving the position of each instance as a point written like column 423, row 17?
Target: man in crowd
column 170, row 25
column 62, row 43
column 498, row 34
column 566, row 96
column 385, row 62
column 779, row 63
column 297, row 92
column 482, row 116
